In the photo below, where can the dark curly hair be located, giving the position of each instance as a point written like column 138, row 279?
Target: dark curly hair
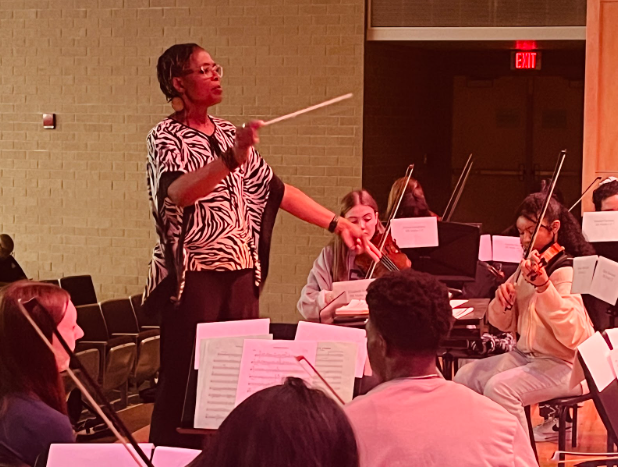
column 171, row 64
column 411, row 310
column 605, row 190
column 282, row 426
column 570, row 233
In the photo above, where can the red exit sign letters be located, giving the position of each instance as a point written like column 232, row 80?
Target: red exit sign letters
column 525, row 60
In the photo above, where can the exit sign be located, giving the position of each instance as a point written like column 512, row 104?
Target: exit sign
column 525, row 60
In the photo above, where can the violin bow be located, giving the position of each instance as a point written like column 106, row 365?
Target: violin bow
column 539, row 222
column 112, row 414
column 391, row 216
column 584, row 193
column 458, row 190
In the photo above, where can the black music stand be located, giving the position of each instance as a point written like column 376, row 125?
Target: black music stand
column 609, row 250
column 454, row 260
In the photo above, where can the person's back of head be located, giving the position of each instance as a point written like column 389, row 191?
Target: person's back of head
column 281, row 426
column 6, row 246
column 27, row 366
column 409, row 315
column 605, row 197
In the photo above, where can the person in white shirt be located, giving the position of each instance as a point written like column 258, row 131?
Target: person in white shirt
column 415, row 417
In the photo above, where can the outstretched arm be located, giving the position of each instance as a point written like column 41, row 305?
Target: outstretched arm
column 302, row 206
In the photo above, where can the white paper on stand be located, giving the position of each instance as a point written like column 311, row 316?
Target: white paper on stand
column 245, row 327
column 605, row 281
column 268, row 363
column 507, row 249
column 595, row 353
column 336, row 361
column 173, row 457
column 485, row 248
column 355, row 290
column 94, row 455
column 217, row 379
column 459, row 313
column 415, row 232
column 583, row 272
column 600, row 226
column 307, row 331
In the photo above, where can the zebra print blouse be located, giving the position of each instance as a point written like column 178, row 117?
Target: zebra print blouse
column 221, row 231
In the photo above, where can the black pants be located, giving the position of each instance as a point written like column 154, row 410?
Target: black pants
column 208, row 296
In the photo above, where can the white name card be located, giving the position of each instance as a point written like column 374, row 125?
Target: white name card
column 605, row 281
column 415, row 232
column 597, row 276
column 507, row 249
column 354, row 290
column 601, row 226
column 485, row 249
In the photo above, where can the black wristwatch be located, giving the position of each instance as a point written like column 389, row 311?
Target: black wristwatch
column 333, row 224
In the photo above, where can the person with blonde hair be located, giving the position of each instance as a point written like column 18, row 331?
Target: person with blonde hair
column 413, row 203
column 336, row 262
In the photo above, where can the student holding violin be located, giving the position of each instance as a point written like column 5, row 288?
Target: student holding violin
column 413, row 202
column 337, row 262
column 539, row 306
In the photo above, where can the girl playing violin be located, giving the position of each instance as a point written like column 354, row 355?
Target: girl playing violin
column 539, row 306
column 413, row 203
column 336, row 262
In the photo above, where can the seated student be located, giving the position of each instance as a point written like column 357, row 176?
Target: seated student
column 32, row 398
column 550, row 320
column 416, row 418
column 336, row 262
column 282, row 426
column 10, row 270
column 413, row 203
column 605, row 197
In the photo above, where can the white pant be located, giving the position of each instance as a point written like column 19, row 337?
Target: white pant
column 515, row 380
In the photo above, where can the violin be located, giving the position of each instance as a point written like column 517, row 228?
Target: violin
column 549, row 254
column 393, row 259
column 552, row 249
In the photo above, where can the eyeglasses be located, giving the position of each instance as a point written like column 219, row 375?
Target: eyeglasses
column 207, row 71
column 530, row 231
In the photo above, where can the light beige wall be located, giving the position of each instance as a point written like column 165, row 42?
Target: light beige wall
column 601, row 94
column 74, row 198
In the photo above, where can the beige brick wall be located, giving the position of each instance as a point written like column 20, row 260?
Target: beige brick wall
column 74, row 198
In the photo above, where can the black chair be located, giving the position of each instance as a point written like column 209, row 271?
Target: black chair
column 121, row 321
column 80, row 288
column 118, row 353
column 144, row 320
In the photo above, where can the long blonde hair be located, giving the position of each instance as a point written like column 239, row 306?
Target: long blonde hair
column 413, row 203
column 340, row 250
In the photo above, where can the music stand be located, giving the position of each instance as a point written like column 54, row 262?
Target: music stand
column 608, row 250
column 456, row 256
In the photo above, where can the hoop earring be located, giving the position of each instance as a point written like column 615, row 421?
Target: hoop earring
column 177, row 104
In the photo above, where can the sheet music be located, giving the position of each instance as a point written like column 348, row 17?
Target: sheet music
column 336, row 362
column 583, row 272
column 243, row 327
column 355, row 290
column 605, row 281
column 459, row 313
column 173, row 457
column 415, row 232
column 507, row 249
column 95, row 455
column 595, row 353
column 600, row 226
column 485, row 248
column 217, row 379
column 307, row 331
column 268, row 363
